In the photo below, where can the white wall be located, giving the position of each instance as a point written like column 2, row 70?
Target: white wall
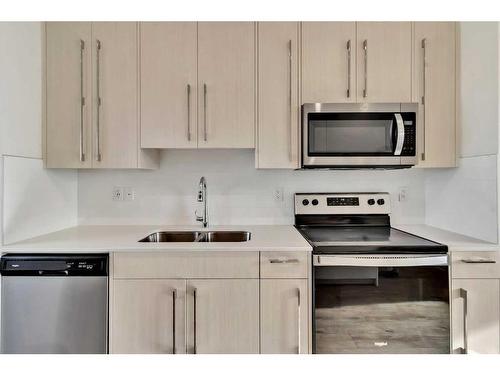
column 465, row 199
column 237, row 192
column 34, row 200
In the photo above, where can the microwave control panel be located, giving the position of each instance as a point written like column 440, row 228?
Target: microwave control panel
column 410, row 142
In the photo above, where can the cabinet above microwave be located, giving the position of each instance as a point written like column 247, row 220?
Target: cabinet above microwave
column 359, row 135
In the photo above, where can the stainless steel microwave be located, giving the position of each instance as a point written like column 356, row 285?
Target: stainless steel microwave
column 359, row 135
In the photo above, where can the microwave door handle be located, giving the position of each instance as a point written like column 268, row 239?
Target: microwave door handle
column 401, row 134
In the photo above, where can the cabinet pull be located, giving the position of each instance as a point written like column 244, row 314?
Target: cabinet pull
column 478, row 260
column 174, row 298
column 99, row 100
column 365, row 48
column 195, row 349
column 205, row 112
column 463, row 294
column 424, row 62
column 283, row 261
column 188, row 89
column 348, row 46
column 82, row 102
column 290, row 156
column 298, row 320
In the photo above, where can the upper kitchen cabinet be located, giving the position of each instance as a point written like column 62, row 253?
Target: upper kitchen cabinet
column 226, row 82
column 384, row 62
column 168, row 84
column 278, row 106
column 434, row 87
column 92, row 113
column 68, row 85
column 328, row 62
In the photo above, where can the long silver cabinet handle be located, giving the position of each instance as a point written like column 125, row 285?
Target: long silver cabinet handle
column 299, row 321
column 365, row 48
column 424, row 62
column 463, row 295
column 348, row 47
column 195, row 346
column 174, row 298
column 290, row 156
column 188, row 89
column 477, row 260
column 82, row 102
column 283, row 261
column 99, row 100
column 205, row 112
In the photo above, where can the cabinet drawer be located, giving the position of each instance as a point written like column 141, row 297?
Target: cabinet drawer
column 475, row 264
column 284, row 264
column 182, row 265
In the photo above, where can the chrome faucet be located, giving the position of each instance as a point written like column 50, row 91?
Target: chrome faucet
column 202, row 197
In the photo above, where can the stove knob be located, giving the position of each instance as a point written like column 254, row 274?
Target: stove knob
column 305, row 202
column 381, row 202
column 315, row 202
column 371, row 202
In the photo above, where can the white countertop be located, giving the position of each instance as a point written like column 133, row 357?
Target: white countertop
column 112, row 238
column 454, row 241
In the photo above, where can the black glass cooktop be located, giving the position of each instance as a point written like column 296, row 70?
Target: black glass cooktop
column 369, row 239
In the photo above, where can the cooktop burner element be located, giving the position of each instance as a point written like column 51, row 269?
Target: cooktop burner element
column 345, row 223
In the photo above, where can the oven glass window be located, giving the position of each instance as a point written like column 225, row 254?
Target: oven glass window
column 351, row 134
column 389, row 310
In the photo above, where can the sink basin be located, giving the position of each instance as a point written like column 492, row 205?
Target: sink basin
column 198, row 236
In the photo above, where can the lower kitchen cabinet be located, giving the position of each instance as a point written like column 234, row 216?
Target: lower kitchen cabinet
column 223, row 316
column 284, row 316
column 476, row 316
column 148, row 316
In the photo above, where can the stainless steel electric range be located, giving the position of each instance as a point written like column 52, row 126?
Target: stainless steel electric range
column 376, row 289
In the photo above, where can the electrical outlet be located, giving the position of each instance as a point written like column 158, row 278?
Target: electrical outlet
column 128, row 193
column 117, row 193
column 279, row 194
column 403, row 194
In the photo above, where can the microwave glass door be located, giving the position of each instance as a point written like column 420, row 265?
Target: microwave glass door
column 351, row 134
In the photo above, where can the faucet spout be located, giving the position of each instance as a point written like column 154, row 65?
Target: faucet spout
column 202, row 198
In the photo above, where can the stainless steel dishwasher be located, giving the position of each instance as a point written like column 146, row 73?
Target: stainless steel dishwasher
column 54, row 303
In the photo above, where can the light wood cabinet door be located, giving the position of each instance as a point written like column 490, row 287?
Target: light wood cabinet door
column 68, row 95
column 434, row 86
column 278, row 109
column 481, row 299
column 148, row 316
column 115, row 71
column 226, row 84
column 328, row 62
column 168, row 84
column 284, row 316
column 223, row 316
column 384, row 60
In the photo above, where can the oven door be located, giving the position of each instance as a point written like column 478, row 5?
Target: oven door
column 388, row 304
column 333, row 136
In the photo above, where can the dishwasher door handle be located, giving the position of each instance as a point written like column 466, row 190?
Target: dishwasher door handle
column 53, row 273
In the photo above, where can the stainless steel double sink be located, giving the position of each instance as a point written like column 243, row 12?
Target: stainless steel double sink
column 198, row 236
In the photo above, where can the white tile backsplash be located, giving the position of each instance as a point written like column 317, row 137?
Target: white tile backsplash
column 237, row 192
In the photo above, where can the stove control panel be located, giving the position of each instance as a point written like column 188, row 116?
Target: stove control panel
column 342, row 203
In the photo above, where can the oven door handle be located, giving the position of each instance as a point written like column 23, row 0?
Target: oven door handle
column 400, row 140
column 380, row 260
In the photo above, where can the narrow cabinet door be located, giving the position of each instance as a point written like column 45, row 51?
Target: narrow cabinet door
column 223, row 316
column 435, row 90
column 148, row 317
column 328, row 62
column 476, row 316
column 68, row 95
column 284, row 316
column 278, row 109
column 384, row 56
column 115, row 73
column 168, row 84
column 226, row 84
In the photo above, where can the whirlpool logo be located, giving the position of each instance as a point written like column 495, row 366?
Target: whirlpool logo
column 380, row 344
